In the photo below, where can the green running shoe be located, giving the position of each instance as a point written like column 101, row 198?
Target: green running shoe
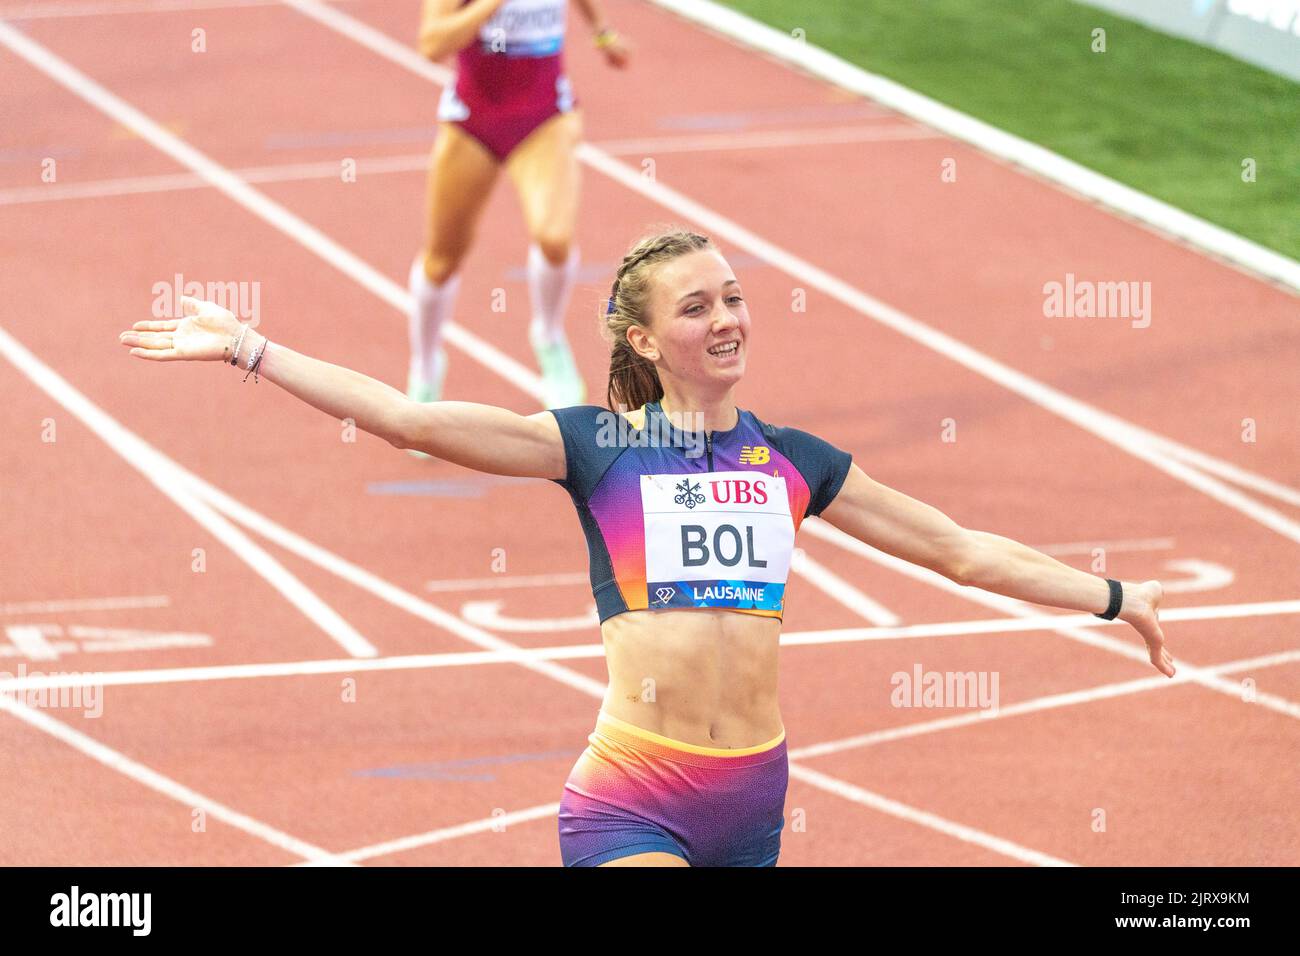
column 562, row 383
column 418, row 390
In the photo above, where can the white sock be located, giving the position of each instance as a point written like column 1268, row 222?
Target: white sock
column 549, row 287
column 433, row 305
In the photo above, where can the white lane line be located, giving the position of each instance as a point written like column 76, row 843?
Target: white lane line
column 1019, row 609
column 85, row 604
column 419, row 162
column 374, row 40
column 838, row 589
column 765, row 139
column 258, row 204
column 157, row 642
column 508, row 581
column 174, row 182
column 512, row 654
column 181, row 675
column 47, row 11
column 1034, row 622
column 159, row 783
column 164, row 475
column 126, row 633
column 19, row 687
column 1087, row 547
column 1237, row 249
column 493, row 824
column 902, row 811
column 1035, row 705
column 1229, row 471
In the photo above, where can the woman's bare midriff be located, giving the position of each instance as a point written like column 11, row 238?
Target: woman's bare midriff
column 703, row 676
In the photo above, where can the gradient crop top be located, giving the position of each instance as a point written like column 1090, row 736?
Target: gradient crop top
column 678, row 519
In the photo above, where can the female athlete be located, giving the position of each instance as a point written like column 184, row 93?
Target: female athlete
column 690, row 506
column 510, row 105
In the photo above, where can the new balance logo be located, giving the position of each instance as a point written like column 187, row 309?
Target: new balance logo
column 755, row 455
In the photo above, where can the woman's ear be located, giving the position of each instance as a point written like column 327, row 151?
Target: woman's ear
column 642, row 342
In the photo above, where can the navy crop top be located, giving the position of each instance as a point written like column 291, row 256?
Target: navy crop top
column 678, row 519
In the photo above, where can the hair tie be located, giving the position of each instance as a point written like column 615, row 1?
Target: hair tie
column 609, row 308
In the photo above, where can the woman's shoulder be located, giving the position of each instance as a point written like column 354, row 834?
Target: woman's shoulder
column 778, row 432
column 800, row 445
column 594, row 436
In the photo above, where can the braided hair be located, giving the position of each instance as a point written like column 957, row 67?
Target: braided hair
column 633, row 380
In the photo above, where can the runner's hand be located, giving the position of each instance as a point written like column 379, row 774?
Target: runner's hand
column 617, row 52
column 1139, row 610
column 205, row 333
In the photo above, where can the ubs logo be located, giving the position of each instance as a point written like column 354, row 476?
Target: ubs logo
column 688, row 494
column 739, row 491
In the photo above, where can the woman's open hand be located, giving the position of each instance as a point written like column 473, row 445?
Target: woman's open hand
column 204, row 333
column 1140, row 604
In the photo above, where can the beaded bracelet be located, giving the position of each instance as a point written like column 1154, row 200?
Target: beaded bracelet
column 255, row 360
column 234, row 359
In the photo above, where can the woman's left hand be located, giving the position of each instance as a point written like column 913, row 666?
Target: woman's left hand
column 1139, row 610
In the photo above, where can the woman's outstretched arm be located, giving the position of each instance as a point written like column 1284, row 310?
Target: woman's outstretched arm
column 916, row 532
column 482, row 437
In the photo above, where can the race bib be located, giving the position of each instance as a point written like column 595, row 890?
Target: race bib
column 717, row 539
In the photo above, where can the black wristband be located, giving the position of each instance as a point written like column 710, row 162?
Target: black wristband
column 1116, row 600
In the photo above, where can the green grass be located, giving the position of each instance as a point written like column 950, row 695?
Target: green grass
column 1163, row 115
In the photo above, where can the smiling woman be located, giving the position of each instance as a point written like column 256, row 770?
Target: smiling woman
column 690, row 543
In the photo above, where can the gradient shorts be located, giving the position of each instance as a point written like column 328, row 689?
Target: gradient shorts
column 633, row 791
